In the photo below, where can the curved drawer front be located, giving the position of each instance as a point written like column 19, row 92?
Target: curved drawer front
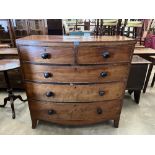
column 67, row 112
column 52, row 55
column 75, row 93
column 102, row 55
column 67, row 74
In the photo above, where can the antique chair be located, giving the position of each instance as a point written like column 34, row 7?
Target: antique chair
column 133, row 28
column 108, row 27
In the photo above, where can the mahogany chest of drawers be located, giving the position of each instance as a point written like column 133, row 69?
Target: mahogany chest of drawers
column 75, row 80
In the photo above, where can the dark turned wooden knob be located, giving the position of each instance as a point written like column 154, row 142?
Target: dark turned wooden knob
column 47, row 75
column 106, row 54
column 101, row 93
column 99, row 111
column 45, row 55
column 103, row 74
column 51, row 112
column 49, row 94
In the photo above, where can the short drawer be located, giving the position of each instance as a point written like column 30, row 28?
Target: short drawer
column 75, row 93
column 49, row 55
column 69, row 113
column 75, row 74
column 102, row 55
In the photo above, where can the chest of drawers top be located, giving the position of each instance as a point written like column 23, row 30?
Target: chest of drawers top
column 50, row 40
column 75, row 50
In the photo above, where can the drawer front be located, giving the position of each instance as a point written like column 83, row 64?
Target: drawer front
column 94, row 74
column 80, row 112
column 75, row 93
column 102, row 55
column 52, row 55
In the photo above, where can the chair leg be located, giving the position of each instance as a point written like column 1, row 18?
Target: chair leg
column 152, row 84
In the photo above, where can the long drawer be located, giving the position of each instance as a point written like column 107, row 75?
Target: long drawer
column 75, row 93
column 52, row 55
column 75, row 113
column 82, row 74
column 102, row 55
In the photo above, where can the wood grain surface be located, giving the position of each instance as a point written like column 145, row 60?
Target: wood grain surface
column 76, row 74
column 75, row 113
column 75, row 93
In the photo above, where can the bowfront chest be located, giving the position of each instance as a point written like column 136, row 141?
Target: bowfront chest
column 75, row 80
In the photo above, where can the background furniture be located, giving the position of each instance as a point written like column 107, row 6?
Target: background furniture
column 137, row 76
column 4, row 45
column 75, row 80
column 15, row 74
column 6, row 32
column 152, row 60
column 6, row 65
column 55, row 27
column 80, row 33
column 108, row 27
column 133, row 28
column 25, row 27
column 153, row 80
column 146, row 53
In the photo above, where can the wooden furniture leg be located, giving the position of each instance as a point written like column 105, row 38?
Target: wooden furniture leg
column 12, row 107
column 130, row 91
column 147, row 77
column 137, row 95
column 152, row 84
column 116, row 123
column 11, row 97
column 34, row 123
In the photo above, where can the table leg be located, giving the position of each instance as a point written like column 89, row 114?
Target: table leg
column 12, row 107
column 152, row 84
column 148, row 77
column 137, row 95
column 11, row 97
column 130, row 91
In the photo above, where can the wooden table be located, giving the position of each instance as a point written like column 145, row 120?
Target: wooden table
column 146, row 53
column 8, row 53
column 141, row 51
column 5, row 66
column 15, row 80
column 4, row 45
